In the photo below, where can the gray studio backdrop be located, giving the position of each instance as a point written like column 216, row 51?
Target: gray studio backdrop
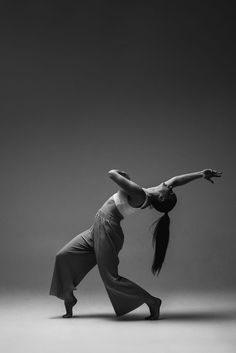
column 146, row 88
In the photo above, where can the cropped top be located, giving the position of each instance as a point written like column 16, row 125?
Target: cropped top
column 121, row 201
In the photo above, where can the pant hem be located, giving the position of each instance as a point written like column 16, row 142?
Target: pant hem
column 119, row 314
column 57, row 295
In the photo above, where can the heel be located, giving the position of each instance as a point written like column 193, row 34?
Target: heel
column 69, row 305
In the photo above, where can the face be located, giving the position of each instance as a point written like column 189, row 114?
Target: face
column 162, row 198
column 161, row 192
column 165, row 192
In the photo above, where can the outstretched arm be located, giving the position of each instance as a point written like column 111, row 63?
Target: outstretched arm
column 179, row 180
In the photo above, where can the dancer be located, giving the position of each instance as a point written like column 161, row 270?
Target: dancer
column 101, row 243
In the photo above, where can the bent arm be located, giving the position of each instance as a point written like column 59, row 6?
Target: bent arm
column 122, row 179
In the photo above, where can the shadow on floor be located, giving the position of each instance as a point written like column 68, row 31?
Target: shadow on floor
column 224, row 315
column 108, row 316
column 167, row 316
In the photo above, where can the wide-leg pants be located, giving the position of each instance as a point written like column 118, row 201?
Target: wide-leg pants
column 99, row 245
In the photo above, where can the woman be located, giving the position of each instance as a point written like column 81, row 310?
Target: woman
column 101, row 243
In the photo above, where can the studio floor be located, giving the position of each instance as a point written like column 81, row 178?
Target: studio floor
column 188, row 323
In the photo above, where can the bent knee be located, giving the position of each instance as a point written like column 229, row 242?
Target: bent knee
column 108, row 276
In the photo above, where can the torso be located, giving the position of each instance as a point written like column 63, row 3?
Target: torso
column 125, row 204
column 119, row 205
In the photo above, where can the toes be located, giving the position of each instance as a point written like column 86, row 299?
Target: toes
column 152, row 317
column 67, row 316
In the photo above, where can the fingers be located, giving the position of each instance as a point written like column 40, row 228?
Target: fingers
column 211, row 173
column 209, row 179
column 215, row 172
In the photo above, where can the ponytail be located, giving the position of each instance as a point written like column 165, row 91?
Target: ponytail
column 160, row 242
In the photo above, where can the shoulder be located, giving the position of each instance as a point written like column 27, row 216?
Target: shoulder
column 147, row 200
column 120, row 196
column 142, row 202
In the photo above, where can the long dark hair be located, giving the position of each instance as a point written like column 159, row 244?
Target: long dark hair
column 160, row 242
column 161, row 232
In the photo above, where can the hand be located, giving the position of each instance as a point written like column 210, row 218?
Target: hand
column 211, row 173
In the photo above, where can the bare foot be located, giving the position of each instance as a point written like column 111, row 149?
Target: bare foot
column 154, row 309
column 69, row 305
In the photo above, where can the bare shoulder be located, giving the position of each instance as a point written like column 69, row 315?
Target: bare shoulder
column 136, row 200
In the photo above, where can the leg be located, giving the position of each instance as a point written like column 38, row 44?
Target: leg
column 72, row 263
column 124, row 294
column 154, row 307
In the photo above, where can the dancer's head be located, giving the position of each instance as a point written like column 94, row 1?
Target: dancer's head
column 163, row 200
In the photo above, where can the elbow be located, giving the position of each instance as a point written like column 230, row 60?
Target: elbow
column 111, row 173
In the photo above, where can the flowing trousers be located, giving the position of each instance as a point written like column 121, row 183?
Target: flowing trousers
column 99, row 245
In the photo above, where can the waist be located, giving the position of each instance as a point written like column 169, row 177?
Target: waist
column 110, row 214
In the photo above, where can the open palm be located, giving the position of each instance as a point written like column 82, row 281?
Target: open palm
column 208, row 174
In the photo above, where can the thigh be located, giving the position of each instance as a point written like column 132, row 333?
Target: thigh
column 79, row 244
column 75, row 260
column 107, row 244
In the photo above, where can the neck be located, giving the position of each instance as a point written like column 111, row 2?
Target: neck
column 153, row 190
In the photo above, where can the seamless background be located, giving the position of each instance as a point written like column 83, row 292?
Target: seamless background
column 144, row 86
